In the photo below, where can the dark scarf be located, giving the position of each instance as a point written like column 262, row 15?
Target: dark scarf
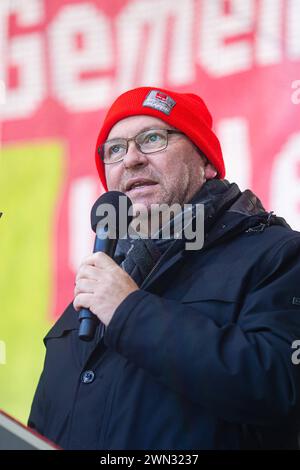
column 138, row 257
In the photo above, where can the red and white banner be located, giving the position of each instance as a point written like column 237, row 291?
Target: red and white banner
column 62, row 62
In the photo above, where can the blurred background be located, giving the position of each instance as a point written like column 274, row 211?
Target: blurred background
column 62, row 62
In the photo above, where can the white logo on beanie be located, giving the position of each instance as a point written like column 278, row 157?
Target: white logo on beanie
column 160, row 101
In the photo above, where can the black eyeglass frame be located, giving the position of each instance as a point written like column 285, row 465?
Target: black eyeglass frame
column 168, row 131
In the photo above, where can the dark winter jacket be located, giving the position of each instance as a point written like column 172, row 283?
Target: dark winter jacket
column 199, row 358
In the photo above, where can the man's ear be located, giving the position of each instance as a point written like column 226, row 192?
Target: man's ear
column 209, row 171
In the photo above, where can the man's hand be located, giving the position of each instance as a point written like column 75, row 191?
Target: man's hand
column 101, row 285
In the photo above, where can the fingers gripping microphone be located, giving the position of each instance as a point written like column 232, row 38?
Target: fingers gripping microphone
column 110, row 219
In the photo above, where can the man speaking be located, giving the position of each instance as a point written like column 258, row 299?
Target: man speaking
column 193, row 348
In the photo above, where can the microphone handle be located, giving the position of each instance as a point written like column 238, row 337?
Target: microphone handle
column 89, row 321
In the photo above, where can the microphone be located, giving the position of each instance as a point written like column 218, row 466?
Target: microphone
column 111, row 216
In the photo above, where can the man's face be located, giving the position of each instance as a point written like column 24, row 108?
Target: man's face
column 172, row 175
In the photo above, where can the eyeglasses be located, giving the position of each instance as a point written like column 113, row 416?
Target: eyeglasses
column 150, row 141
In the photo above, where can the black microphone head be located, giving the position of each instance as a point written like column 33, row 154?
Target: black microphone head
column 112, row 210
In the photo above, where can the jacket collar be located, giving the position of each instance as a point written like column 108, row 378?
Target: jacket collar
column 228, row 212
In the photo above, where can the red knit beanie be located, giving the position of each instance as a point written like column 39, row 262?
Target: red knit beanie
column 185, row 111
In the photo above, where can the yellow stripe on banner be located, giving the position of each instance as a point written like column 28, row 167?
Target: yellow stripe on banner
column 30, row 177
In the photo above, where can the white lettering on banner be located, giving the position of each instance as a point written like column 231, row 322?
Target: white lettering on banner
column 154, row 42
column 268, row 37
column 83, row 193
column 296, row 94
column 68, row 62
column 234, row 137
column 2, row 92
column 293, row 30
column 285, row 182
column 149, row 56
column 26, row 54
column 216, row 27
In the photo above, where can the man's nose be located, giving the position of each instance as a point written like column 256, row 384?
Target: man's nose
column 134, row 157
